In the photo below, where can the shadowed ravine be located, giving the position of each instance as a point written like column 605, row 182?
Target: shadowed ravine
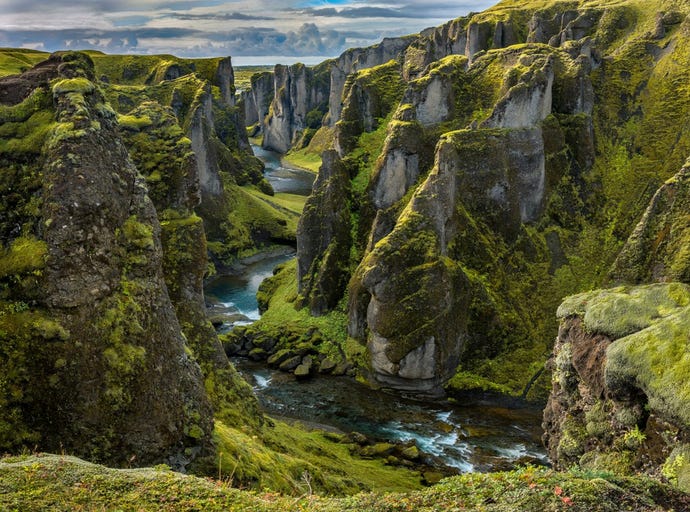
column 484, row 435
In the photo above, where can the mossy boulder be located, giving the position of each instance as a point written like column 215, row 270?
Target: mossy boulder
column 619, row 395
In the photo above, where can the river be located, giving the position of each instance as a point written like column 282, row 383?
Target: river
column 485, row 433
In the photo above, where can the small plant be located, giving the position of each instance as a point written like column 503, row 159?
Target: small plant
column 634, row 438
column 672, row 467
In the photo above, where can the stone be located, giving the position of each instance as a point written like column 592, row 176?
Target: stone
column 327, row 365
column 291, row 363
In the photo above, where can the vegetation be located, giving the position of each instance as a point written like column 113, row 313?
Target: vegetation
column 243, row 75
column 40, row 482
column 15, row 61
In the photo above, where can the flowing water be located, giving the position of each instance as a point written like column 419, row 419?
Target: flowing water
column 284, row 179
column 481, row 434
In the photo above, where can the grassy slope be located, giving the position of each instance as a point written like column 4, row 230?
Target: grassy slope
column 14, row 61
column 243, row 75
column 63, row 483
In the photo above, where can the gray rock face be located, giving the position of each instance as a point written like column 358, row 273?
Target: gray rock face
column 564, row 26
column 528, row 102
column 207, row 162
column 656, row 250
column 257, row 100
column 323, row 237
column 497, row 172
column 115, row 383
column 398, row 172
column 435, row 44
column 296, row 93
column 355, row 60
column 225, row 80
column 417, row 320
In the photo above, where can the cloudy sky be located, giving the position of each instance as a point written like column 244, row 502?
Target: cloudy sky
column 259, row 31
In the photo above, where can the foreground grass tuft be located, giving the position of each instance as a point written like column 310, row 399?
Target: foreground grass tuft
column 64, row 483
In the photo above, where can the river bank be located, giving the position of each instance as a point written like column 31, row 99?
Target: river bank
column 483, row 433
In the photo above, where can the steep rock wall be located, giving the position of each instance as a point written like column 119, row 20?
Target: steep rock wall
column 298, row 90
column 496, row 172
column 657, row 249
column 88, row 326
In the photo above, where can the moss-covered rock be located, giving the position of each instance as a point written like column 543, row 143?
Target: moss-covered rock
column 87, row 303
column 619, row 398
column 47, row 481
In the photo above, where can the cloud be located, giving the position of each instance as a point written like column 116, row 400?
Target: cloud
column 292, row 28
column 105, row 6
column 126, row 40
column 220, row 16
column 357, row 12
column 308, row 40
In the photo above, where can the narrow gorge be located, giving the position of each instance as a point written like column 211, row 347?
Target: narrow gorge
column 497, row 215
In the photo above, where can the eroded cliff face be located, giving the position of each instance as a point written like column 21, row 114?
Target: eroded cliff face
column 515, row 143
column 99, row 364
column 619, row 397
column 298, row 91
column 171, row 175
column 499, row 170
column 230, row 179
column 657, row 249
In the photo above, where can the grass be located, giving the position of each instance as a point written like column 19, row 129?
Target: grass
column 243, row 75
column 304, row 159
column 282, row 315
column 14, row 61
column 63, row 483
column 282, row 455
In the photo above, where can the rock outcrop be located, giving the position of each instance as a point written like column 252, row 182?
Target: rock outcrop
column 99, row 364
column 497, row 171
column 658, row 248
column 619, row 398
column 323, row 237
column 257, row 99
column 355, row 60
column 298, row 91
column 517, row 142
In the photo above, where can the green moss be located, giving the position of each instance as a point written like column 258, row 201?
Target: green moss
column 466, row 381
column 41, row 482
column 624, row 310
column 676, row 469
column 254, row 220
column 26, row 333
column 304, row 159
column 657, row 361
column 24, row 255
column 291, row 325
column 134, row 123
column 138, row 234
column 122, row 322
column 15, row 61
column 285, row 453
column 71, row 85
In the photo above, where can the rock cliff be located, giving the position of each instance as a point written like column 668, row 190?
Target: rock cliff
column 99, row 364
column 620, row 382
column 201, row 95
column 620, row 362
column 502, row 162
